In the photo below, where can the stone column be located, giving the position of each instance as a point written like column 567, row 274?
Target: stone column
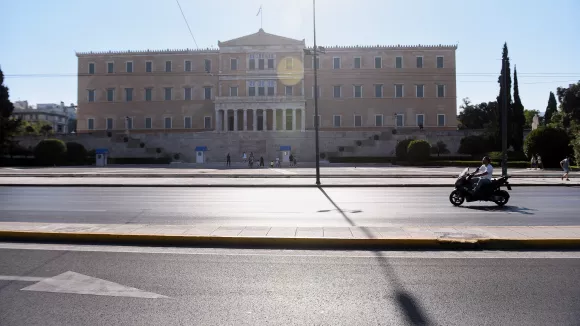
column 303, row 127
column 245, row 126
column 235, row 119
column 284, row 119
column 274, row 119
column 293, row 119
column 255, row 119
column 217, row 121
column 264, row 119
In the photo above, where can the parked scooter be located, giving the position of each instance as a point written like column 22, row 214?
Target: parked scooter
column 490, row 192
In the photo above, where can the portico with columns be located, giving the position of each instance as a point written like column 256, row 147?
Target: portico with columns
column 260, row 117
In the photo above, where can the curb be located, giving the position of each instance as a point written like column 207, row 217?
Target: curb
column 305, row 185
column 290, row 243
column 250, row 176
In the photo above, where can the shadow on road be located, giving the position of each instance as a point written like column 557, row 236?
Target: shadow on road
column 410, row 306
column 509, row 209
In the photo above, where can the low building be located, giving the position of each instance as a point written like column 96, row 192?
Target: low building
column 57, row 116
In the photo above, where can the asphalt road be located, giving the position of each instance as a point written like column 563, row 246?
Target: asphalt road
column 285, row 206
column 254, row 287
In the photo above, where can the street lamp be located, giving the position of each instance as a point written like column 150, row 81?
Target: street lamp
column 314, row 52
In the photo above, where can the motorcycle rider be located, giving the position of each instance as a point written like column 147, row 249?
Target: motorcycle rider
column 483, row 177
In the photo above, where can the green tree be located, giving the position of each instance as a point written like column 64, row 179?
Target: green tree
column 401, row 149
column 551, row 109
column 518, row 117
column 529, row 115
column 569, row 99
column 418, row 151
column 552, row 144
column 9, row 125
column 46, row 129
column 439, row 148
column 500, row 100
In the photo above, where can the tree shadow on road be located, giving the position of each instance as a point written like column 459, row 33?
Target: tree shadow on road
column 508, row 209
column 410, row 306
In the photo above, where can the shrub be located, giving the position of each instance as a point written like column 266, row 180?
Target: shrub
column 139, row 160
column 552, row 144
column 75, row 153
column 418, row 151
column 141, row 145
column 158, row 150
column 50, row 152
column 401, row 149
column 512, row 156
column 91, row 156
column 474, row 145
column 176, row 156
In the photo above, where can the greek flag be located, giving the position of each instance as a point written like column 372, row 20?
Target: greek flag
column 259, row 11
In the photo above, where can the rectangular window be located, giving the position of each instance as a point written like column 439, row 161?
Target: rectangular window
column 207, row 122
column 399, row 90
column 148, row 123
column 168, row 95
column 439, row 62
column 128, row 94
column 109, row 123
column 148, row 94
column 289, row 91
column 187, row 93
column 316, row 62
column 168, row 123
column 357, row 63
column 399, row 62
column 110, row 67
column 91, row 68
column 336, row 119
column 357, row 91
column 400, row 120
column 233, row 64
column 378, row 120
column 129, row 123
column 234, row 91
column 252, row 91
column 129, row 66
column 441, row 120
column 261, row 64
column 420, row 120
column 261, row 91
column 337, row 91
column 91, row 95
column 378, row 90
column 187, row 65
column 335, row 63
column 270, row 63
column 419, row 62
column 207, row 93
column 440, row 90
column 148, row 66
column 110, row 94
column 420, row 90
column 91, row 124
column 167, row 66
column 207, row 65
column 317, row 93
column 187, row 122
column 252, row 64
column 271, row 91
column 358, row 121
column 378, row 62
column 289, row 64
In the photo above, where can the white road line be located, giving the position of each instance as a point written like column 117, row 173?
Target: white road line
column 21, row 278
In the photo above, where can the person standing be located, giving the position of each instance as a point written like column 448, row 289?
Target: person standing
column 228, row 160
column 565, row 164
column 534, row 162
column 261, row 161
column 244, row 157
column 291, row 160
column 540, row 164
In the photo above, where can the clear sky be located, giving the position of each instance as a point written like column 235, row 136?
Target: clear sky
column 41, row 37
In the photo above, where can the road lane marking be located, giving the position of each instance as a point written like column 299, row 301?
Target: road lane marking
column 21, row 278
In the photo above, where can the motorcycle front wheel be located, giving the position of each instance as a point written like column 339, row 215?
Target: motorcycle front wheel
column 456, row 198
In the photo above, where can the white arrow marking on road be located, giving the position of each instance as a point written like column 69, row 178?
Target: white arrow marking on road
column 71, row 282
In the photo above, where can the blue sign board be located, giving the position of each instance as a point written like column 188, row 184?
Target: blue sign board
column 201, row 148
column 285, row 148
column 101, row 151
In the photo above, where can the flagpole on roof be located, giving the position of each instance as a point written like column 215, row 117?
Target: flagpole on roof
column 261, row 16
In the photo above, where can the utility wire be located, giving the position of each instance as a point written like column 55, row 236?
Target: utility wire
column 190, row 32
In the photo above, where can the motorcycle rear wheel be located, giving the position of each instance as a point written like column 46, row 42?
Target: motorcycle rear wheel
column 456, row 198
column 505, row 197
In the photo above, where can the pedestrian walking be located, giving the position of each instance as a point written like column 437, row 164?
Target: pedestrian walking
column 565, row 164
column 244, row 157
column 261, row 161
column 295, row 163
column 540, row 164
column 291, row 160
column 534, row 162
column 228, row 160
column 278, row 162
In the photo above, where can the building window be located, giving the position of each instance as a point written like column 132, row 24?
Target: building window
column 261, row 64
column 378, row 90
column 128, row 94
column 335, row 63
column 400, row 120
column 129, row 66
column 420, row 91
column 419, row 62
column 91, row 124
column 187, row 93
column 336, row 120
column 187, row 65
column 252, row 64
column 233, row 64
column 357, row 91
column 357, row 63
column 167, row 66
column 168, row 123
column 358, row 121
column 289, row 91
column 207, row 122
column 148, row 66
column 148, row 94
column 91, row 95
column 261, row 91
column 187, row 122
column 420, row 120
column 207, row 65
column 110, row 67
column 316, row 62
column 271, row 91
column 207, row 93
column 129, row 123
column 91, row 68
column 378, row 62
column 441, row 120
column 289, row 64
column 317, row 93
column 439, row 62
column 378, row 120
column 337, row 91
column 168, row 95
column 270, row 63
column 109, row 123
column 316, row 120
column 110, row 94
column 148, row 123
column 234, row 91
column 252, row 91
column 440, row 90
column 399, row 90
column 399, row 62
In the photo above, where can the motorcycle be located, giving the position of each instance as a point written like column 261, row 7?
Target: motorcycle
column 490, row 192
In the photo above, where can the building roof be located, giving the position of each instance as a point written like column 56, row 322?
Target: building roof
column 261, row 38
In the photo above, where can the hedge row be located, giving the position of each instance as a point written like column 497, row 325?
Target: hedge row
column 139, row 160
column 433, row 162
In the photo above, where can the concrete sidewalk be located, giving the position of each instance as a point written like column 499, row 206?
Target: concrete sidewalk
column 452, row 237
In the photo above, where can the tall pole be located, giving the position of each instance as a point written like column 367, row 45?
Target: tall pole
column 504, row 118
column 316, row 122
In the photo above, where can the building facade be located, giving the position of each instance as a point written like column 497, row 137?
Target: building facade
column 58, row 116
column 264, row 83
